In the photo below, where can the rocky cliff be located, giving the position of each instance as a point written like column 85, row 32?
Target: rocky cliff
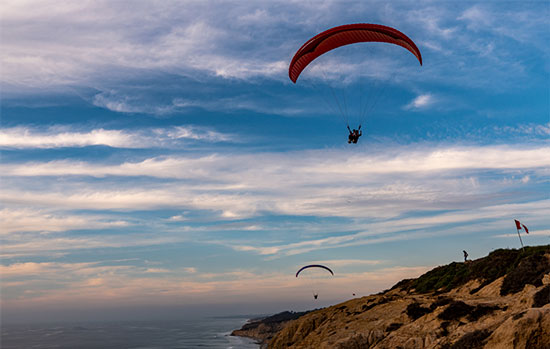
column 500, row 301
column 263, row 329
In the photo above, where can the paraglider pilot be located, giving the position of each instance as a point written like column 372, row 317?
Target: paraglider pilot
column 354, row 135
column 465, row 255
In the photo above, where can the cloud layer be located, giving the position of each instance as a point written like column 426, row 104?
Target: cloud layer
column 378, row 191
column 58, row 137
column 156, row 153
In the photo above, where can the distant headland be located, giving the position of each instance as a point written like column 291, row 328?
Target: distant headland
column 498, row 301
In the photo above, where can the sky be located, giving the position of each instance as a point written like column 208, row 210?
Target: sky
column 156, row 160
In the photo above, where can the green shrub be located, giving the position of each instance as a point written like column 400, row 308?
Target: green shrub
column 472, row 340
column 455, row 311
column 393, row 326
column 530, row 270
column 542, row 297
column 415, row 310
column 523, row 266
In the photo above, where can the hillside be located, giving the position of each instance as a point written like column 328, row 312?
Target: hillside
column 263, row 329
column 499, row 301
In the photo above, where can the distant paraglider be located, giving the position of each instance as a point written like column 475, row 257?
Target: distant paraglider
column 314, row 276
column 345, row 35
column 314, row 266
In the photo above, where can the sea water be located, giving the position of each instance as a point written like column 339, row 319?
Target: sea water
column 210, row 332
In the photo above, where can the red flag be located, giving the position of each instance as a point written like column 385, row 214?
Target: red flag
column 519, row 225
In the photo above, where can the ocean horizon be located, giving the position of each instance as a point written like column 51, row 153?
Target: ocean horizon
column 206, row 332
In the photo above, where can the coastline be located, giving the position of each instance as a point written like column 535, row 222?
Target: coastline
column 263, row 329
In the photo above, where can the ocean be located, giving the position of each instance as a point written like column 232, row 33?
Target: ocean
column 211, row 332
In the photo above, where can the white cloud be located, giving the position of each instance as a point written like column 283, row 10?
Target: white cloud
column 421, row 101
column 526, row 129
column 55, row 245
column 22, row 137
column 389, row 195
column 543, row 232
column 178, row 218
column 108, row 285
column 346, row 262
column 181, row 132
column 57, row 137
column 76, row 43
column 157, row 270
column 486, row 217
column 315, row 167
column 83, row 45
column 477, row 17
column 316, row 183
column 434, row 20
column 26, row 220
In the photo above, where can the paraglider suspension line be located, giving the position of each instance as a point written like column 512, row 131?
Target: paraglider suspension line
column 343, row 114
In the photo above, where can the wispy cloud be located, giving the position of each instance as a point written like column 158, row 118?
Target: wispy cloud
column 22, row 137
column 57, row 137
column 16, row 245
column 347, row 262
column 506, row 21
column 315, row 166
column 349, row 186
column 543, row 232
column 130, row 284
column 393, row 229
column 26, row 220
column 477, row 17
column 178, row 37
column 229, row 222
column 526, row 129
column 124, row 103
column 472, row 183
column 421, row 101
column 119, row 57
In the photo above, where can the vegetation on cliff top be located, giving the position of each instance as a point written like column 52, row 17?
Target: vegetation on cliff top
column 521, row 267
column 277, row 318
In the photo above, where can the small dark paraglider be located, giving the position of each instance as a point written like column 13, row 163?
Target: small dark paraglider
column 314, row 266
column 315, row 293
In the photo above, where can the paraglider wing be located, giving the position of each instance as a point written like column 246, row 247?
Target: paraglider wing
column 314, row 266
column 345, row 35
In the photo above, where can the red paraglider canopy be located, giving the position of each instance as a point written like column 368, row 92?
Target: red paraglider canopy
column 345, row 35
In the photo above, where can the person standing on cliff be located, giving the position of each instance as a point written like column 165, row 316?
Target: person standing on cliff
column 465, row 255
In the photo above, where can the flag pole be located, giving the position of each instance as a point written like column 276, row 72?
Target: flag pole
column 520, row 239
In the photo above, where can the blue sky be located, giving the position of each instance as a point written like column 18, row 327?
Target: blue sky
column 156, row 159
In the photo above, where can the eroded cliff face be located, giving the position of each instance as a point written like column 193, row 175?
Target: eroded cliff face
column 263, row 329
column 259, row 331
column 495, row 306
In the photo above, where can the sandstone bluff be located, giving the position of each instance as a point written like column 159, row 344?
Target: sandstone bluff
column 499, row 301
